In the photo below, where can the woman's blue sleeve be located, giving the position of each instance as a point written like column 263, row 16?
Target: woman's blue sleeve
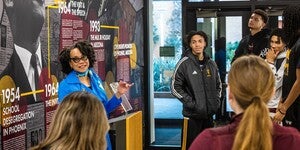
column 112, row 104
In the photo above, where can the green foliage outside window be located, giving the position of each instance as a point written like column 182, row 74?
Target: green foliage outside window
column 230, row 49
column 173, row 37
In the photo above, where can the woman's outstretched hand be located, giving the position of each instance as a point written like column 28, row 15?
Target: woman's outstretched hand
column 123, row 88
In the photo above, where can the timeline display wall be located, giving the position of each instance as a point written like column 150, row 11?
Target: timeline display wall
column 32, row 35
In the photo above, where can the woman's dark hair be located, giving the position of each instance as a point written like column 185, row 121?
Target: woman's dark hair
column 84, row 47
column 291, row 24
column 192, row 33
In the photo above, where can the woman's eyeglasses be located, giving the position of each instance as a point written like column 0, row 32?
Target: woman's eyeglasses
column 77, row 60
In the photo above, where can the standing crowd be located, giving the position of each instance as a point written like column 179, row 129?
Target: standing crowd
column 263, row 91
column 263, row 88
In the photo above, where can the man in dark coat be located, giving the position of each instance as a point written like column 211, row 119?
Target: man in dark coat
column 257, row 41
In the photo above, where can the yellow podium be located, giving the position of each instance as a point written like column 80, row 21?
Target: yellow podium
column 129, row 133
column 184, row 133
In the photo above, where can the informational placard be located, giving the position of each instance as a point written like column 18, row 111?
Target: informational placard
column 167, row 51
column 33, row 34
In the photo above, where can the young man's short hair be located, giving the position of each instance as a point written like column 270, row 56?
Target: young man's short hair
column 263, row 15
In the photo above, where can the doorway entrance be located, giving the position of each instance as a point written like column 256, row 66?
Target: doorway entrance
column 225, row 23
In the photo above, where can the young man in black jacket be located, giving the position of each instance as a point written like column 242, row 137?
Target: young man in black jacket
column 197, row 84
column 258, row 40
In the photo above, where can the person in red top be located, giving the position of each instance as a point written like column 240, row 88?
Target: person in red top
column 252, row 127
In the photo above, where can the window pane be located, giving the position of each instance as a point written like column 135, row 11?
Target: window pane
column 233, row 37
column 166, row 32
column 167, row 29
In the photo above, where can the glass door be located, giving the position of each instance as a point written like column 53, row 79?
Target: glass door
column 225, row 28
column 224, row 34
column 166, row 53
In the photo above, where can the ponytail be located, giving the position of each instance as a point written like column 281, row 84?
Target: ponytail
column 255, row 129
column 251, row 82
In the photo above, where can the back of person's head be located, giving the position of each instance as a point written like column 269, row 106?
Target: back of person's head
column 220, row 43
column 192, row 33
column 80, row 122
column 279, row 33
column 291, row 24
column 263, row 15
column 251, row 82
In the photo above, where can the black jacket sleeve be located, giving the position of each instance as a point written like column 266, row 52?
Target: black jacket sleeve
column 178, row 86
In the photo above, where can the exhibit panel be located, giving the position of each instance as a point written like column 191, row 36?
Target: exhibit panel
column 33, row 34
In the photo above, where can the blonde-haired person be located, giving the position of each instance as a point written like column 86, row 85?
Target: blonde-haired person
column 79, row 123
column 250, row 85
